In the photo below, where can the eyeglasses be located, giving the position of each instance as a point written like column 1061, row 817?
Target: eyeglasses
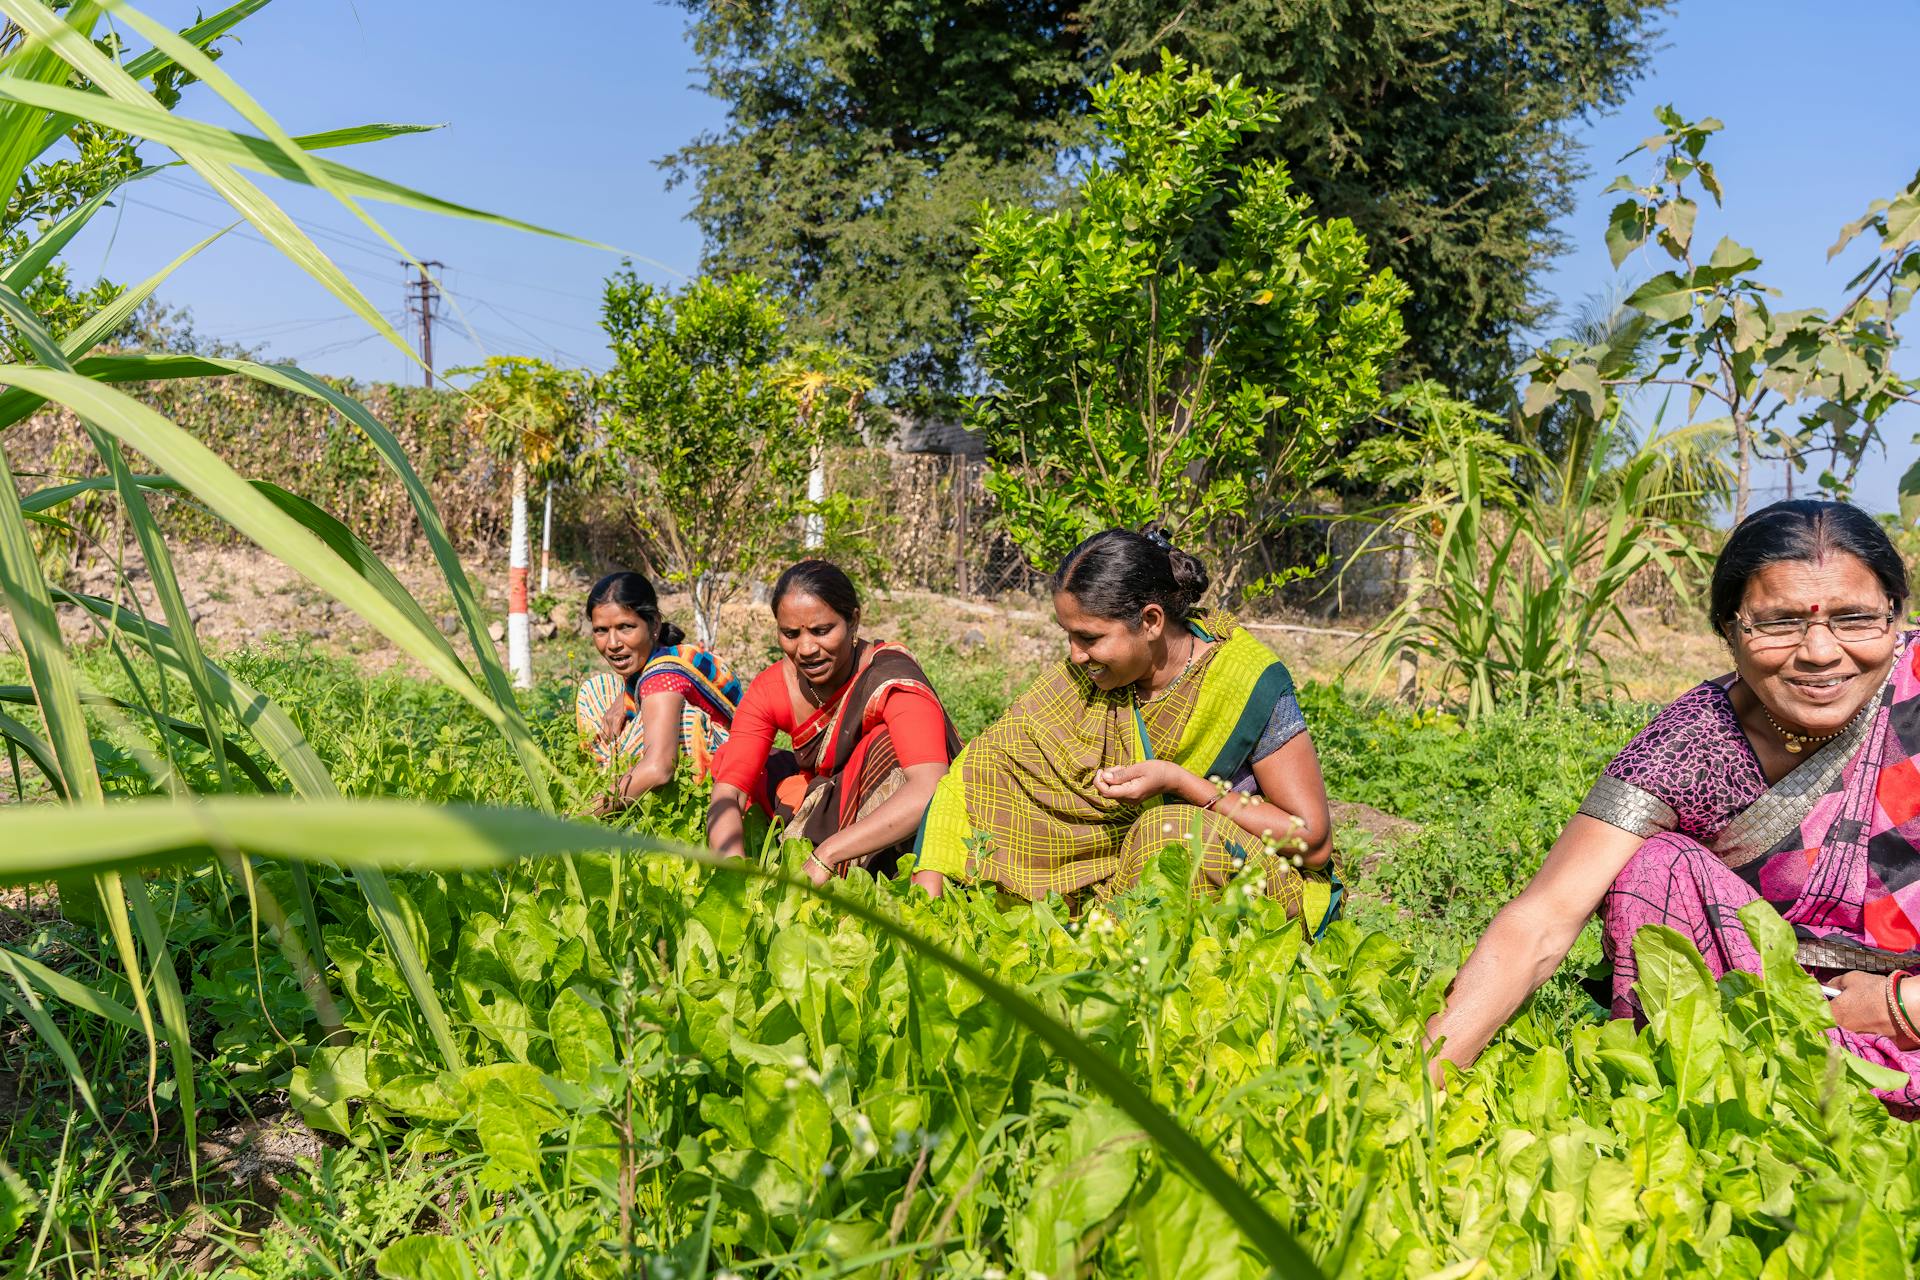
column 1790, row 633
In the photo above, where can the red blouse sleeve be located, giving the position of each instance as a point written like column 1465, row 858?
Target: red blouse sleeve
column 764, row 711
column 918, row 725
column 666, row 682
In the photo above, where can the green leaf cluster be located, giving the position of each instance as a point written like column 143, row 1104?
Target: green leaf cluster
column 1143, row 370
column 1785, row 384
column 717, row 411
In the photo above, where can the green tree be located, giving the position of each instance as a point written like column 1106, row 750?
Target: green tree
column 861, row 140
column 1145, row 372
column 1786, row 383
column 862, row 136
column 717, row 419
column 532, row 415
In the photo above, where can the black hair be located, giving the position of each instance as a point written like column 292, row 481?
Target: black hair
column 632, row 591
column 1800, row 530
column 825, row 581
column 1118, row 573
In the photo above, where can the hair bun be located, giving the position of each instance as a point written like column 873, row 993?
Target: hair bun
column 1189, row 575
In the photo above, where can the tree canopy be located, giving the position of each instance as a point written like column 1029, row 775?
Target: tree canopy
column 863, row 138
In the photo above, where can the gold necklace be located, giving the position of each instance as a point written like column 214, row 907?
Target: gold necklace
column 1794, row 741
column 1192, row 644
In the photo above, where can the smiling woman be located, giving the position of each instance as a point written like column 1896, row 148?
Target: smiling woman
column 1163, row 728
column 662, row 695
column 870, row 738
column 1793, row 779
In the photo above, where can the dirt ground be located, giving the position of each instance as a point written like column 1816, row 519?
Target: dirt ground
column 240, row 596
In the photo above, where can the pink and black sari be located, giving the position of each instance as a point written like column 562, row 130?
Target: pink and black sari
column 1834, row 846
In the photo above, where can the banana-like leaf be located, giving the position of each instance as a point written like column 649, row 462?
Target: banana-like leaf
column 396, row 834
column 245, row 151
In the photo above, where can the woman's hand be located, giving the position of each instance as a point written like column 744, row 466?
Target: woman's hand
column 932, row 881
column 1143, row 781
column 613, row 720
column 818, row 866
column 1862, row 1006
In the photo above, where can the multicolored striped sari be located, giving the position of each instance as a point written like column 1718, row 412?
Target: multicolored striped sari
column 1020, row 809
column 1834, row 846
column 711, row 691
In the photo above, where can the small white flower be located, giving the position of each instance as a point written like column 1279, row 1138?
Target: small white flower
column 792, row 1084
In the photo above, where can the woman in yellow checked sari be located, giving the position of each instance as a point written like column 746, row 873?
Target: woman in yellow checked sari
column 1162, row 727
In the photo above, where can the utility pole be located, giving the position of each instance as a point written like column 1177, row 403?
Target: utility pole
column 423, row 298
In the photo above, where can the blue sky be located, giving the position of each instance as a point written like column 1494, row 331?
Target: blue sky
column 562, row 125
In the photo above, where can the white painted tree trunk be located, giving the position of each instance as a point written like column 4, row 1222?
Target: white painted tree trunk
column 519, row 642
column 546, row 542
column 816, row 524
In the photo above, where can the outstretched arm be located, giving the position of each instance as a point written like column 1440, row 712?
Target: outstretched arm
column 727, row 821
column 1529, row 938
column 893, row 821
column 660, row 728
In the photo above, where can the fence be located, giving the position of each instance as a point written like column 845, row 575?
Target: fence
column 929, row 517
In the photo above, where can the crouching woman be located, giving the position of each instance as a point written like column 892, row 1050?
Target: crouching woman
column 1163, row 726
column 1792, row 779
column 662, row 695
column 870, row 738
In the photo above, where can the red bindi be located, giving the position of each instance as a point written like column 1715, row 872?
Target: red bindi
column 1816, row 608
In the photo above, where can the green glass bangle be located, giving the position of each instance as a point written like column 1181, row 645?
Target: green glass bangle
column 1902, row 1019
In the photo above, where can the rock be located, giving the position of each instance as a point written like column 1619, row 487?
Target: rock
column 973, row 638
column 320, row 633
column 563, row 617
column 496, row 631
column 543, row 630
column 449, row 623
column 761, row 595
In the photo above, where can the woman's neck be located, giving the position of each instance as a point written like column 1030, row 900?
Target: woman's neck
column 1176, row 655
column 820, row 696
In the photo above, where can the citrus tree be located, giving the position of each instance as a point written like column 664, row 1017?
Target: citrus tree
column 1144, row 367
column 533, row 415
column 719, row 420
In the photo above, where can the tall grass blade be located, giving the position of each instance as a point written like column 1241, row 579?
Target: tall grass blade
column 223, row 491
column 17, row 403
column 23, row 1001
column 78, row 994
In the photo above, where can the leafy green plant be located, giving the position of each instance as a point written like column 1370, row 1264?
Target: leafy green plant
column 719, row 420
column 1145, row 369
column 535, row 416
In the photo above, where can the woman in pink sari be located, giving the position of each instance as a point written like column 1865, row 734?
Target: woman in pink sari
column 1794, row 779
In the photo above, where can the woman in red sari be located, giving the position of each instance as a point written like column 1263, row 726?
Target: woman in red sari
column 870, row 738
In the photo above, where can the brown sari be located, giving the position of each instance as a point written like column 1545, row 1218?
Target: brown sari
column 843, row 764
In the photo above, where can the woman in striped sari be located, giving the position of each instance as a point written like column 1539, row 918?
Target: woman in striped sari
column 662, row 695
column 870, row 738
column 1164, row 727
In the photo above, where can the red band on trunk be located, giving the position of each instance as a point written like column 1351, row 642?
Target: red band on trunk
column 516, row 590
